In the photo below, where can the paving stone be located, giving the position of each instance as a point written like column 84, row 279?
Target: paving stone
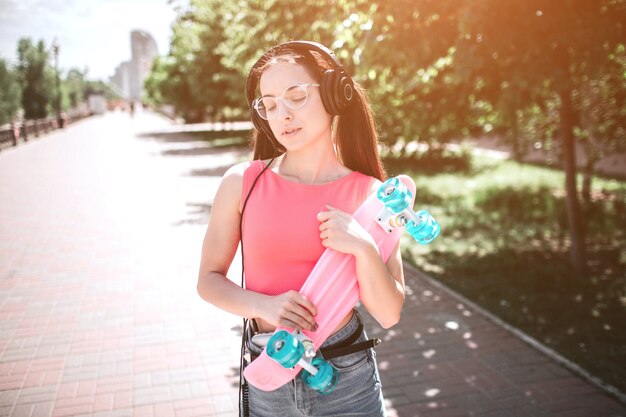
column 37, row 395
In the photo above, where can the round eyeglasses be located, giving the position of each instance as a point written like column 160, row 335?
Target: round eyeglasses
column 293, row 97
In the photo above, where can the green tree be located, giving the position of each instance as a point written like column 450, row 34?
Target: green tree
column 215, row 43
column 553, row 47
column 441, row 69
column 76, row 87
column 10, row 93
column 192, row 77
column 36, row 78
column 601, row 104
column 407, row 63
column 256, row 26
column 73, row 87
column 156, row 82
column 99, row 87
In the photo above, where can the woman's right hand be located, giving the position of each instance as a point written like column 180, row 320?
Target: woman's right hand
column 289, row 309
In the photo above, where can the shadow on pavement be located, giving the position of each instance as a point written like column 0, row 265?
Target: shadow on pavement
column 205, row 150
column 210, row 172
column 201, row 143
column 197, row 214
column 194, row 136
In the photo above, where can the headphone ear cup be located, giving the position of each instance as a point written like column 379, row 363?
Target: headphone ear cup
column 344, row 91
column 337, row 91
column 326, row 91
column 335, row 96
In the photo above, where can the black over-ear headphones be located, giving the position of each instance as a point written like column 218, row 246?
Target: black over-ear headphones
column 336, row 86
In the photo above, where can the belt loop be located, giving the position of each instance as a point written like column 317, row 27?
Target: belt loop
column 255, row 326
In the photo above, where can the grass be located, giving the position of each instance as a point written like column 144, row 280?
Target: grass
column 504, row 244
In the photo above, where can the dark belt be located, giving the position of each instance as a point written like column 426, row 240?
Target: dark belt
column 343, row 348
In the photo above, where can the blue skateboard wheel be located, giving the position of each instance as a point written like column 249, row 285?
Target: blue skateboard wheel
column 285, row 349
column 426, row 230
column 326, row 378
column 394, row 194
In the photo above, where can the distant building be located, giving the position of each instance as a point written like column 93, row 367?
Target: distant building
column 129, row 76
column 121, row 80
column 144, row 50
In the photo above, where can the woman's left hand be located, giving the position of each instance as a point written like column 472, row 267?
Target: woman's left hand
column 341, row 232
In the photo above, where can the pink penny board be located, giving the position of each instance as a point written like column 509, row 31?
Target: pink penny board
column 333, row 288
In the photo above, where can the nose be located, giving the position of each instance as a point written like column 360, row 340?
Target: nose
column 283, row 111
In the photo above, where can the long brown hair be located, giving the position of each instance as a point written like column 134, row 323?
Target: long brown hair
column 355, row 131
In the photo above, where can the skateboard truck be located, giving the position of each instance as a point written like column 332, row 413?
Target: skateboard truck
column 294, row 349
column 397, row 212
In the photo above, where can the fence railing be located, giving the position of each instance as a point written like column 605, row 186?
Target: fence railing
column 13, row 133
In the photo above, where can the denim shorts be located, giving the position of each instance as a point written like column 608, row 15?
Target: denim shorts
column 358, row 392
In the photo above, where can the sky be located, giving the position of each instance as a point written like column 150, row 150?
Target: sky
column 93, row 34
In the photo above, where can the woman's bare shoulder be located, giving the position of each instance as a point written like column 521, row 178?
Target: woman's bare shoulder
column 232, row 180
column 238, row 170
column 374, row 184
column 235, row 174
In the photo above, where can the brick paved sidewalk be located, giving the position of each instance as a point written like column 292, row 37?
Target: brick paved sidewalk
column 101, row 233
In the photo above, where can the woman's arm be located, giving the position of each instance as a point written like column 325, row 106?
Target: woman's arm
column 381, row 285
column 289, row 309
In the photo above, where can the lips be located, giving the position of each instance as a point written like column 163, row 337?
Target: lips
column 290, row 131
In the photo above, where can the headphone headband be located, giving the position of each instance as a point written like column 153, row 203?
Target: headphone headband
column 297, row 46
column 336, row 86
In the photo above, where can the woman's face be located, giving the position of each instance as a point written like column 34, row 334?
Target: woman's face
column 296, row 129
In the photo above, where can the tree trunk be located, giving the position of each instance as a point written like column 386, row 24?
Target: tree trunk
column 578, row 257
column 587, row 179
column 518, row 148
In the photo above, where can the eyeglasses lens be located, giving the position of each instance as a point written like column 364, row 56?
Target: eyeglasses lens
column 294, row 97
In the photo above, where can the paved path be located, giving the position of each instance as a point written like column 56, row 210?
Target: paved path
column 101, row 231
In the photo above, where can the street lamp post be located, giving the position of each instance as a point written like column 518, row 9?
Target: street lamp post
column 55, row 51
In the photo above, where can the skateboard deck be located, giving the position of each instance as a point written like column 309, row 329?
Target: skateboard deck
column 332, row 285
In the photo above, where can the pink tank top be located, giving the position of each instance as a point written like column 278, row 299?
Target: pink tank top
column 280, row 228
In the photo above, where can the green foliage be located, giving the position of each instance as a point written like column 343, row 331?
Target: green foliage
column 530, row 60
column 408, row 63
column 31, row 85
column 601, row 103
column 504, row 245
column 10, row 93
column 156, row 83
column 211, row 51
column 524, row 54
column 192, row 77
column 73, row 88
column 255, row 26
column 434, row 70
column 36, row 77
column 76, row 87
column 430, row 160
column 99, row 86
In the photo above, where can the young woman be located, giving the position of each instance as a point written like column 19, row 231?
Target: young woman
column 315, row 161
